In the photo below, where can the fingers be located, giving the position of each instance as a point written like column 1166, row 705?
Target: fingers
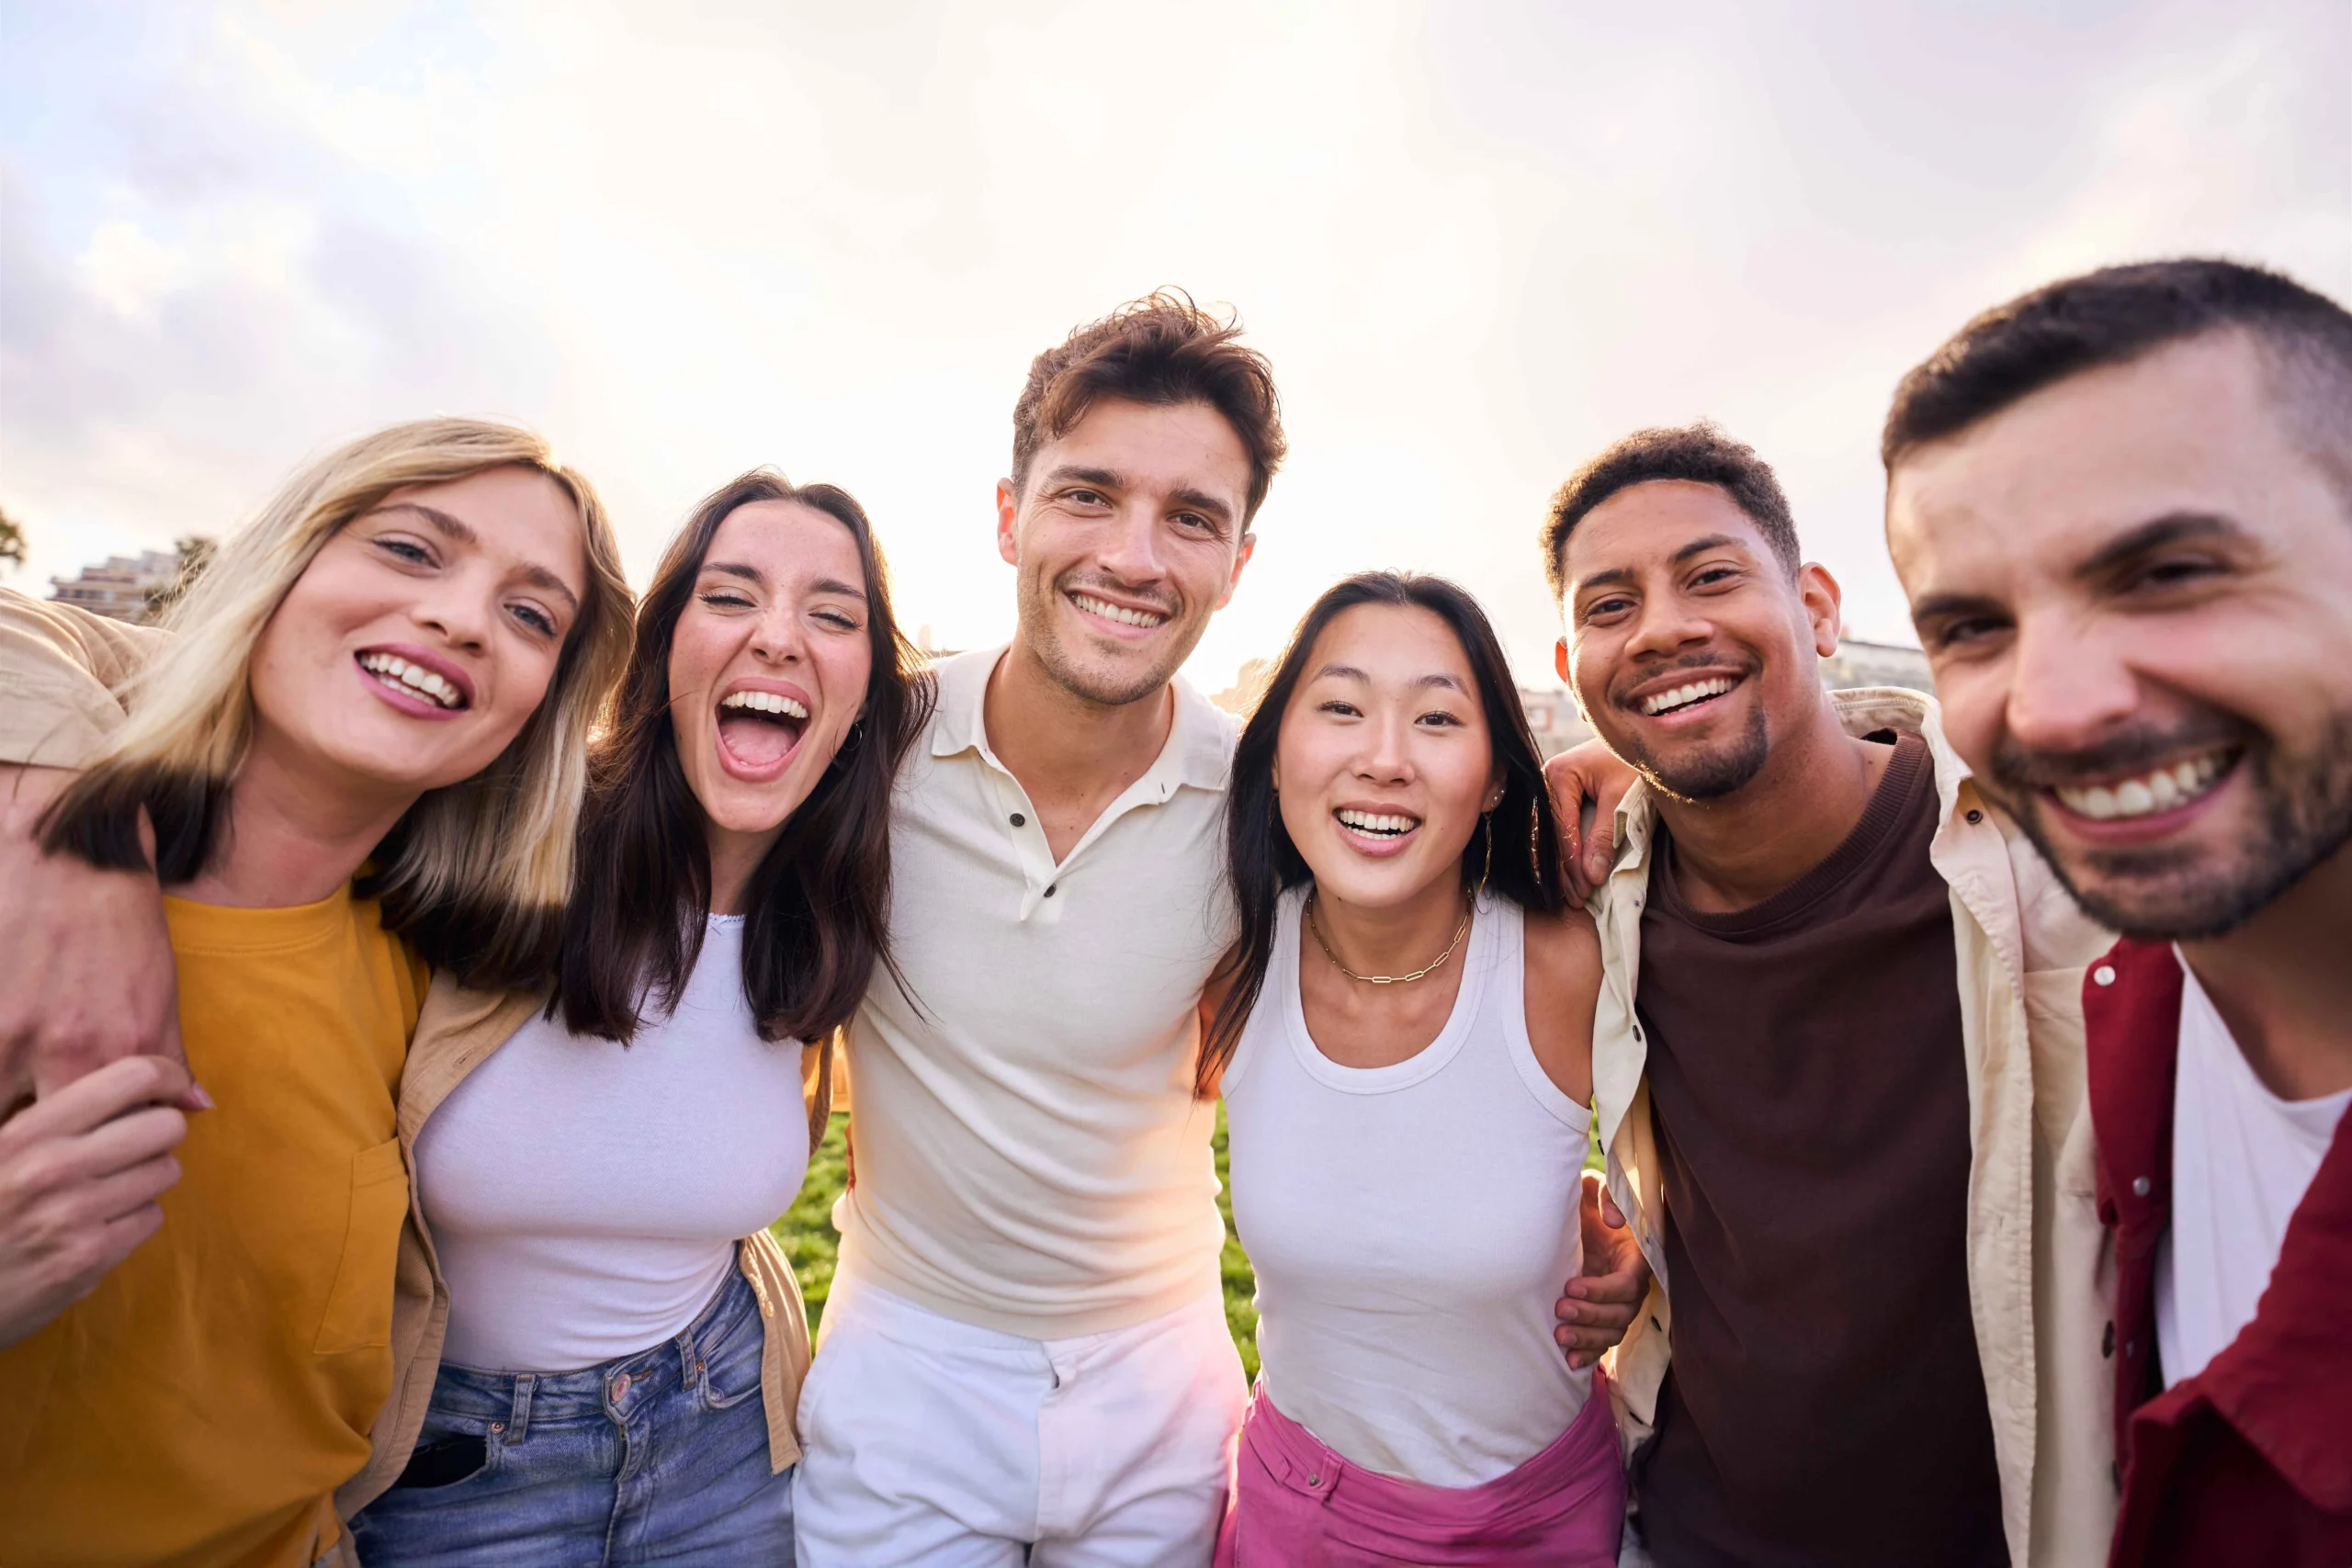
column 100, row 1096
column 124, row 1195
column 1600, row 849
column 129, row 1141
column 1610, row 1214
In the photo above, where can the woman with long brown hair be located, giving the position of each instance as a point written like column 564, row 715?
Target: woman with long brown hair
column 615, row 1371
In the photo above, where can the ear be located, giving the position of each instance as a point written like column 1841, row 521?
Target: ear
column 1008, row 522
column 1560, row 657
column 1241, row 560
column 1819, row 592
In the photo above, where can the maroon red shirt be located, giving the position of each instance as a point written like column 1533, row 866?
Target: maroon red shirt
column 2250, row 1462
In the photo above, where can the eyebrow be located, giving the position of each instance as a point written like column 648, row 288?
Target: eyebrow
column 1183, row 495
column 464, row 532
column 1349, row 673
column 754, row 574
column 2171, row 529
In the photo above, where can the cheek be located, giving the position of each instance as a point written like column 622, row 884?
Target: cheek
column 698, row 654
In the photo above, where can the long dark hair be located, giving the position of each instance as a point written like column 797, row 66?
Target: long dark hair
column 1262, row 864
column 817, row 917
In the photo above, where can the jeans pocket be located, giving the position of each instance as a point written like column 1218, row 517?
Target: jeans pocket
column 445, row 1461
column 732, row 1360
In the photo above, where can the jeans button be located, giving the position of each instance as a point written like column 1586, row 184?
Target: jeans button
column 620, row 1388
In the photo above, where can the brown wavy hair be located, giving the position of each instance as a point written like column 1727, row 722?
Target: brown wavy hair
column 817, row 916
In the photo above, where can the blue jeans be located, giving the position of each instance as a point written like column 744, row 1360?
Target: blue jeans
column 660, row 1457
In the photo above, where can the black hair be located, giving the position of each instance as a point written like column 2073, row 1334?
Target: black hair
column 1701, row 454
column 1262, row 861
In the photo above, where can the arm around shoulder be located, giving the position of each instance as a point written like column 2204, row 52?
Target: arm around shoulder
column 62, row 673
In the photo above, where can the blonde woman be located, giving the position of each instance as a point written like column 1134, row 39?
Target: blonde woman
column 363, row 756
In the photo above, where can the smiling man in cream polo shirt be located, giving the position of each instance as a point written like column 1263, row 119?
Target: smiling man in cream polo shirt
column 1026, row 1357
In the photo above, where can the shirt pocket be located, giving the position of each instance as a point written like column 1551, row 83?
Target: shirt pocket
column 359, row 1306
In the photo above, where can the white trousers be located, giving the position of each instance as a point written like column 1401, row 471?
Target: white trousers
column 930, row 1442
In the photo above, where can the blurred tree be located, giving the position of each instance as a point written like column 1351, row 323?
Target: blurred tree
column 196, row 554
column 12, row 540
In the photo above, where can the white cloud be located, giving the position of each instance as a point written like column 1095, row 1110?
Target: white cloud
column 1477, row 240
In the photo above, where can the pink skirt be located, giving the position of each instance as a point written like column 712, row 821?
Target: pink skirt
column 1296, row 1504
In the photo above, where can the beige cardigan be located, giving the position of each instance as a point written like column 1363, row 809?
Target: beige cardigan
column 61, row 670
column 2040, row 1267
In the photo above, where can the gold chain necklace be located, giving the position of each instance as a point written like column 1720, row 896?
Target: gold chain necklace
column 1315, row 929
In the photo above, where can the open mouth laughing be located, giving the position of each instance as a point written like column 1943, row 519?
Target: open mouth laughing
column 443, row 689
column 2158, row 790
column 758, row 730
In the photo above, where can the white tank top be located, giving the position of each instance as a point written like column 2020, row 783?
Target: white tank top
column 585, row 1197
column 1411, row 1226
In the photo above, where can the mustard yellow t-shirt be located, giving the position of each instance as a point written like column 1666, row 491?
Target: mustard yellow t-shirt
column 202, row 1405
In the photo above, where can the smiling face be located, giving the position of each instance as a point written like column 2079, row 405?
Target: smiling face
column 2132, row 588
column 768, row 663
column 1688, row 646
column 1384, row 762
column 1129, row 536
column 421, row 638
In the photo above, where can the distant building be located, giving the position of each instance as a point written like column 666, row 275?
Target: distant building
column 1248, row 685
column 1552, row 715
column 126, row 588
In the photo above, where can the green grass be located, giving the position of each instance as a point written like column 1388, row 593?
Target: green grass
column 813, row 1245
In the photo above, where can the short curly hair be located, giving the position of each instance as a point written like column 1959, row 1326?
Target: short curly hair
column 1701, row 454
column 1159, row 349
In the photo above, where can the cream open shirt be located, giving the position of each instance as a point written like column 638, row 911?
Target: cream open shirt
column 2041, row 1272
column 1030, row 1157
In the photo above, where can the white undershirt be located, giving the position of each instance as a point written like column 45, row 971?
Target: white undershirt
column 585, row 1197
column 2241, row 1160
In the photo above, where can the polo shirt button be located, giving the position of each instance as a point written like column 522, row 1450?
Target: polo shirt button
column 2139, row 1186
column 2104, row 975
column 1050, row 892
column 1975, row 815
column 2130, row 1348
column 1019, row 821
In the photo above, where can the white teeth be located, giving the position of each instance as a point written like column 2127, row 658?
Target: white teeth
column 2160, row 789
column 764, row 702
column 416, row 677
column 1111, row 612
column 1375, row 822
column 1683, row 696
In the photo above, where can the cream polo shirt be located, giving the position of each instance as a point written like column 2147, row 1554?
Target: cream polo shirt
column 1030, row 1157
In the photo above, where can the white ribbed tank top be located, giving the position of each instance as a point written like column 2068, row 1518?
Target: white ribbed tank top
column 1411, row 1226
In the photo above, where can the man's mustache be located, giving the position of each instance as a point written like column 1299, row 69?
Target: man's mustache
column 2018, row 770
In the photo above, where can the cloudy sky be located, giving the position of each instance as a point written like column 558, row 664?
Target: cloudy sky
column 1478, row 240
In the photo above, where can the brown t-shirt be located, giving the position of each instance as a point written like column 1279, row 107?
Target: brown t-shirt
column 1826, row 1404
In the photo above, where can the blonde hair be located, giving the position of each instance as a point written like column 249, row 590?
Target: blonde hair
column 477, row 873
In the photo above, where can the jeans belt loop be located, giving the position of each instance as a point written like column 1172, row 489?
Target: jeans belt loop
column 518, row 1421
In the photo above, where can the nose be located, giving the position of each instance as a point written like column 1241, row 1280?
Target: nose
column 1666, row 627
column 1386, row 757
column 2068, row 691
column 1128, row 549
column 458, row 611
column 778, row 637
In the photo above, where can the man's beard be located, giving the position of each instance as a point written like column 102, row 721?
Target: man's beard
column 1712, row 775
column 1041, row 629
column 2302, row 817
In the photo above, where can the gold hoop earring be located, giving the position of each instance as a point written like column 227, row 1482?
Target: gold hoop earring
column 1487, row 870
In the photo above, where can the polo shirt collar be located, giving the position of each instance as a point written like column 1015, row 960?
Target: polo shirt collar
column 1198, row 751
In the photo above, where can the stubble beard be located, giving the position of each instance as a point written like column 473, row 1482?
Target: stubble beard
column 1712, row 775
column 2302, row 818
column 1040, row 632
